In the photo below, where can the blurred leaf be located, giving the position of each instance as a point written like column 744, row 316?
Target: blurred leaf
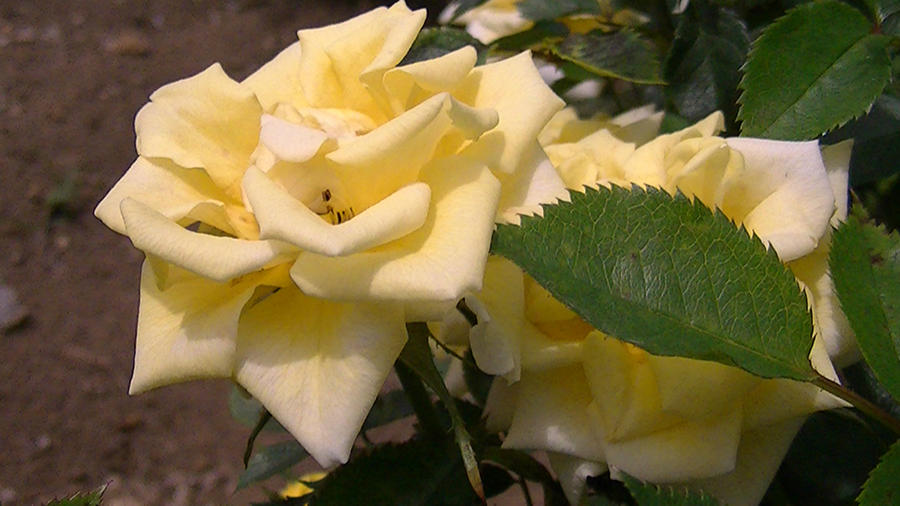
column 534, row 36
column 829, row 459
column 860, row 378
column 537, row 10
column 417, row 356
column 647, row 494
column 883, row 9
column 246, row 410
column 496, row 480
column 389, row 407
column 423, row 472
column 865, row 265
column 477, row 381
column 87, row 499
column 620, row 55
column 270, row 461
column 461, row 7
column 704, row 61
column 61, row 201
column 814, row 69
column 876, row 142
column 436, row 42
column 883, row 486
column 527, row 468
column 668, row 276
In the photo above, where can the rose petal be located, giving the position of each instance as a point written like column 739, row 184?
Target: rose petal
column 705, row 447
column 289, row 141
column 439, row 262
column 759, row 455
column 279, row 80
column 317, row 366
column 411, row 84
column 533, row 184
column 551, row 415
column 217, row 258
column 500, row 406
column 284, row 218
column 795, row 202
column 188, row 330
column 573, row 474
column 171, row 190
column 837, row 164
column 207, row 121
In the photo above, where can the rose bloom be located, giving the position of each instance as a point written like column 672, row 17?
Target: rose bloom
column 595, row 403
column 295, row 221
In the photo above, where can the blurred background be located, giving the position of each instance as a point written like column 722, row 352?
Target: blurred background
column 72, row 77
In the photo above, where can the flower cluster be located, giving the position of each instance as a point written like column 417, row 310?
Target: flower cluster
column 295, row 221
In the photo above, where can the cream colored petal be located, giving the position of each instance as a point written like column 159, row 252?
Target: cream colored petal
column 779, row 399
column 439, row 262
column 500, row 405
column 551, row 415
column 701, row 448
column 837, row 163
column 695, row 389
column 171, row 190
column 279, row 80
column 317, row 365
column 283, row 218
column 524, row 109
column 493, row 351
column 795, row 197
column 379, row 163
column 489, row 25
column 534, row 183
column 573, row 474
column 638, row 126
column 187, row 331
column 406, row 86
column 217, row 258
column 207, row 121
column 289, row 141
column 760, row 453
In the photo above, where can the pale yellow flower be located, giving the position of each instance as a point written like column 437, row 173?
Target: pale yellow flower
column 295, row 221
column 597, row 404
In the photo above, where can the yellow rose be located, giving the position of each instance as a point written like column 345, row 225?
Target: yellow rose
column 295, row 221
column 597, row 404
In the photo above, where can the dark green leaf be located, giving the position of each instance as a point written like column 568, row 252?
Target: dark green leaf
column 422, row 472
column 669, row 276
column 647, row 494
column 478, row 383
column 246, row 410
column 865, row 265
column 876, row 142
column 620, row 55
column 537, row 10
column 540, row 32
column 704, row 61
column 496, row 480
column 417, row 356
column 270, row 461
column 883, row 486
column 436, row 42
column 830, row 458
column 812, row 70
column 461, row 7
column 88, row 499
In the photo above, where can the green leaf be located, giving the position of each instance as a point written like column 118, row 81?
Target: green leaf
column 88, row 499
column 876, row 142
column 534, row 36
column 417, row 356
column 270, row 461
column 647, row 494
column 668, row 276
column 537, row 10
column 620, row 55
column 247, row 411
column 422, row 472
column 388, row 407
column 865, row 265
column 477, row 381
column 461, row 7
column 883, row 488
column 812, row 70
column 703, row 64
column 436, row 42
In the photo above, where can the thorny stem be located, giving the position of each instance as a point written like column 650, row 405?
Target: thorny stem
column 264, row 417
column 859, row 402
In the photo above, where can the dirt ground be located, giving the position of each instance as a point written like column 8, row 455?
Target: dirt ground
column 72, row 77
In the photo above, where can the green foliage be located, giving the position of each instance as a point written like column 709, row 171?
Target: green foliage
column 436, row 42
column 669, row 276
column 704, row 61
column 865, row 264
column 248, row 411
column 883, row 487
column 621, row 54
column 421, row 472
column 647, row 494
column 270, row 461
column 537, row 10
column 532, row 37
column 876, row 142
column 89, row 499
column 812, row 70
column 417, row 356
column 463, row 6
